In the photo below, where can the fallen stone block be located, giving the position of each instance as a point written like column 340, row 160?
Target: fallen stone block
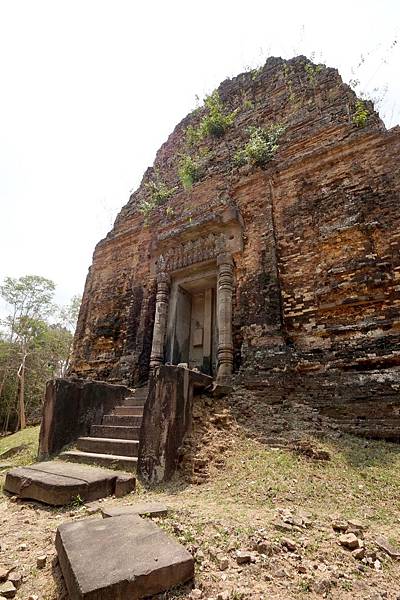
column 148, row 509
column 387, row 547
column 59, row 483
column 123, row 557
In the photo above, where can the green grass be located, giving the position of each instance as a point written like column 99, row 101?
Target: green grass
column 28, row 436
column 360, row 481
column 359, row 475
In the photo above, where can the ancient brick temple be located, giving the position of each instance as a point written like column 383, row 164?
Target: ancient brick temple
column 284, row 273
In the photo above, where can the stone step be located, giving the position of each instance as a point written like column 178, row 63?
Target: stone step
column 118, row 447
column 58, row 482
column 122, row 420
column 119, row 432
column 108, row 460
column 131, row 411
column 133, row 401
column 141, row 392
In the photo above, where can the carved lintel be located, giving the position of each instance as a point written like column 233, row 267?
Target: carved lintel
column 191, row 252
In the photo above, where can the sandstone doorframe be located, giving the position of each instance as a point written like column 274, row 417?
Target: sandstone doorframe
column 212, row 241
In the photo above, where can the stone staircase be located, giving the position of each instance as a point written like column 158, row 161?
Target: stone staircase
column 114, row 443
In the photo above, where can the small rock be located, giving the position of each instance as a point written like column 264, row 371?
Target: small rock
column 282, row 526
column 359, row 553
column 41, row 561
column 223, row 595
column 339, row 525
column 33, row 597
column 4, row 573
column 223, row 564
column 8, row 589
column 243, row 558
column 23, row 547
column 387, row 547
column 377, row 565
column 302, row 569
column 322, row 586
column 356, row 524
column 91, row 510
column 195, row 594
column 281, row 573
column 289, row 544
column 349, row 540
column 264, row 548
column 16, row 578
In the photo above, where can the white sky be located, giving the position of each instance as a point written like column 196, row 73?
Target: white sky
column 90, row 89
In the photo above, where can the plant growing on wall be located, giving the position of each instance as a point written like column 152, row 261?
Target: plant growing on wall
column 361, row 114
column 215, row 122
column 261, row 147
column 188, row 171
column 312, row 71
column 158, row 193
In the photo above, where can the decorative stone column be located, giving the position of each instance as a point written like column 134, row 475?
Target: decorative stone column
column 224, row 315
column 160, row 320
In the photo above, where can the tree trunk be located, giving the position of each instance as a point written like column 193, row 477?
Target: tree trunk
column 21, row 394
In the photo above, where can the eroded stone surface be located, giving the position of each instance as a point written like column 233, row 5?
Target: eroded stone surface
column 123, row 557
column 150, row 509
column 59, row 483
column 316, row 311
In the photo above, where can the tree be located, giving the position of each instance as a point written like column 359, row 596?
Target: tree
column 30, row 298
column 35, row 345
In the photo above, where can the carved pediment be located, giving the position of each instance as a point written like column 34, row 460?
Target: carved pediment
column 199, row 242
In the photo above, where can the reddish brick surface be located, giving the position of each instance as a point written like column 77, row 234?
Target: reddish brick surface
column 317, row 283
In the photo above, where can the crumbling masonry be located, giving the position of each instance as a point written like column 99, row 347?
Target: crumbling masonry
column 284, row 276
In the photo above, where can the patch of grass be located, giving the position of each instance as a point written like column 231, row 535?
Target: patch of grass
column 28, row 437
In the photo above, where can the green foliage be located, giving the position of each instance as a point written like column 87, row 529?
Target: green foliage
column 158, row 193
column 248, row 104
column 256, row 72
column 189, row 171
column 361, row 114
column 288, row 75
column 261, row 147
column 193, row 135
column 35, row 344
column 312, row 71
column 215, row 122
column 77, row 501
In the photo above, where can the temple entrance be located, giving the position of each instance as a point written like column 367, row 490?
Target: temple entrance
column 194, row 272
column 192, row 332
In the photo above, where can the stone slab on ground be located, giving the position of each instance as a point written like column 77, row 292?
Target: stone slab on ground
column 149, row 509
column 122, row 557
column 58, row 483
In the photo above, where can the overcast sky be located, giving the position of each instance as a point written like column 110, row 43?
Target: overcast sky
column 90, row 89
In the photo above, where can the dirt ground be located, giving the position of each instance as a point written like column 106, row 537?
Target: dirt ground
column 261, row 515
